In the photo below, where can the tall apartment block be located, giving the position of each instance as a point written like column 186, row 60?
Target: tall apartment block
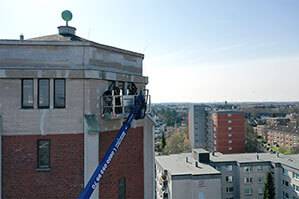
column 197, row 126
column 222, row 130
column 62, row 100
column 229, row 131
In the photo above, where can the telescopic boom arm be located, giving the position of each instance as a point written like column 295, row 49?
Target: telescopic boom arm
column 137, row 112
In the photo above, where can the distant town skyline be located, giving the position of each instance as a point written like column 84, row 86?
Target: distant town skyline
column 195, row 51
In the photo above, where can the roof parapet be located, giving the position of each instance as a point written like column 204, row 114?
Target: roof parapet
column 67, row 30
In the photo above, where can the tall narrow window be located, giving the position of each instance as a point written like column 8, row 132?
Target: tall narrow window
column 122, row 188
column 43, row 154
column 43, row 93
column 27, row 93
column 59, row 93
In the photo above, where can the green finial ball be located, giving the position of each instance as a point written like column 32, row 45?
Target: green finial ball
column 66, row 15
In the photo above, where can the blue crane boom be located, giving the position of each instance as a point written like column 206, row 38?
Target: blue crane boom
column 137, row 112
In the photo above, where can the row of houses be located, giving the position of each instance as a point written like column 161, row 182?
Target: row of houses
column 279, row 134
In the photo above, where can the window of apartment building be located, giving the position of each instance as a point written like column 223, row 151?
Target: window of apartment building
column 286, row 183
column 247, row 180
column 247, row 169
column 228, row 167
column 43, row 154
column 260, row 191
column 229, row 178
column 201, row 195
column 229, row 121
column 165, row 195
column 296, row 175
column 229, row 189
column 27, row 93
column 230, row 141
column 296, row 188
column 59, row 93
column 260, row 179
column 229, row 128
column 229, row 115
column 230, row 148
column 229, row 135
column 285, row 195
column 122, row 188
column 285, row 172
column 259, row 168
column 43, row 93
column 248, row 191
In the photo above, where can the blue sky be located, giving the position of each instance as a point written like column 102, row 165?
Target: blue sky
column 195, row 50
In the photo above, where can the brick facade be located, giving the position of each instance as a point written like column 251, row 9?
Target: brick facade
column 128, row 163
column 22, row 180
column 232, row 124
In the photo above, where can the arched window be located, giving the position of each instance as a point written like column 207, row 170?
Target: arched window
column 122, row 188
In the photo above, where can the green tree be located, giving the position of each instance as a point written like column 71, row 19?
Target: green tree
column 163, row 141
column 269, row 191
column 176, row 143
column 251, row 142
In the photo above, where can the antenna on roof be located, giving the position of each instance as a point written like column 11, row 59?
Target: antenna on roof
column 67, row 16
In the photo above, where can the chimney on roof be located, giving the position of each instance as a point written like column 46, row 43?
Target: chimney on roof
column 203, row 156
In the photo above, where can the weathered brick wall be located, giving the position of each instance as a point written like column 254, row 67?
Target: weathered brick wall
column 20, row 178
column 128, row 163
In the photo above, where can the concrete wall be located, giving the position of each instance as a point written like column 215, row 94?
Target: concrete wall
column 287, row 176
column 83, row 96
column 223, row 168
column 149, row 165
column 254, row 174
column 198, row 126
column 191, row 188
column 18, row 121
column 191, row 125
column 67, row 55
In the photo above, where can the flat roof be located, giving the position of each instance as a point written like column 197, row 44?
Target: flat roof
column 176, row 164
column 289, row 160
column 57, row 39
column 242, row 157
column 225, row 111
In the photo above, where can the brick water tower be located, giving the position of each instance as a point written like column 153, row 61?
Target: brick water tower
column 62, row 100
